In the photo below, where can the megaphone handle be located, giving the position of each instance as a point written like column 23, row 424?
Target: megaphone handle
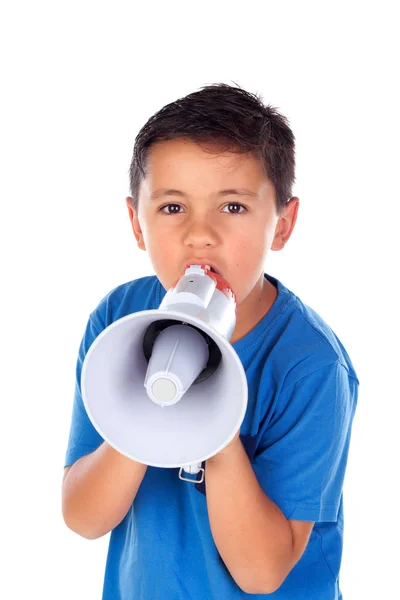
column 194, row 468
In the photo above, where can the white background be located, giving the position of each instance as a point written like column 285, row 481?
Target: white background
column 78, row 81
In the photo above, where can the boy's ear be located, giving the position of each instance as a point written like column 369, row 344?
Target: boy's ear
column 285, row 224
column 133, row 217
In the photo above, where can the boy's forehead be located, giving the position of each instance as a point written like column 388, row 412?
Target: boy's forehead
column 182, row 148
column 184, row 167
column 185, row 159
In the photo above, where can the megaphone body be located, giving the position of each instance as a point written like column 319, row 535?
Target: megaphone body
column 165, row 387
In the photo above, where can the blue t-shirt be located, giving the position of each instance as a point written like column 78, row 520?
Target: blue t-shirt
column 302, row 394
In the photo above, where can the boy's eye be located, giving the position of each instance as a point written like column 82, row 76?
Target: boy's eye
column 236, row 212
column 176, row 208
column 173, row 212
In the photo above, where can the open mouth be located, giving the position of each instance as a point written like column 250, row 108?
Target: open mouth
column 206, row 265
column 210, row 268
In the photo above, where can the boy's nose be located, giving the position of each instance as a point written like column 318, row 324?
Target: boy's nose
column 200, row 235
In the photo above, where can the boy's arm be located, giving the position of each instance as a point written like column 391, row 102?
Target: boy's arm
column 98, row 490
column 258, row 545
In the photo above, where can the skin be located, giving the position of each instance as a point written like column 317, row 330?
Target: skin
column 234, row 231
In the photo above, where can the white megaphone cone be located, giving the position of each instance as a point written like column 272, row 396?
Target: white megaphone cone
column 165, row 387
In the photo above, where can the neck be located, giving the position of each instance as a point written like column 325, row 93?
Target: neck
column 253, row 308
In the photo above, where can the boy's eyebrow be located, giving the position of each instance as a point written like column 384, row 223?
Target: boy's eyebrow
column 229, row 192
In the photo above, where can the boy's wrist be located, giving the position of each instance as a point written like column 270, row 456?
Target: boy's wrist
column 230, row 451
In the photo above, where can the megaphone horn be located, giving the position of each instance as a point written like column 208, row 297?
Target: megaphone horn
column 165, row 387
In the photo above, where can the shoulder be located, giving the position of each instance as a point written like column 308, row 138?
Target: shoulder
column 306, row 343
column 144, row 293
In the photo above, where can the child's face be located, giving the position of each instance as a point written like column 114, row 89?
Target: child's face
column 196, row 218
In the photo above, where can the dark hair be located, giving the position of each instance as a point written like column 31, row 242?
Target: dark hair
column 234, row 119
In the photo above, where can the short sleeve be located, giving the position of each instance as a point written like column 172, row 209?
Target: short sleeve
column 83, row 437
column 301, row 459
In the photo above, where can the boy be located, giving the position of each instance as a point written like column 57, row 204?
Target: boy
column 211, row 183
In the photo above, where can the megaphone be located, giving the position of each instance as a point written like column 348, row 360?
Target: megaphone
column 165, row 387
